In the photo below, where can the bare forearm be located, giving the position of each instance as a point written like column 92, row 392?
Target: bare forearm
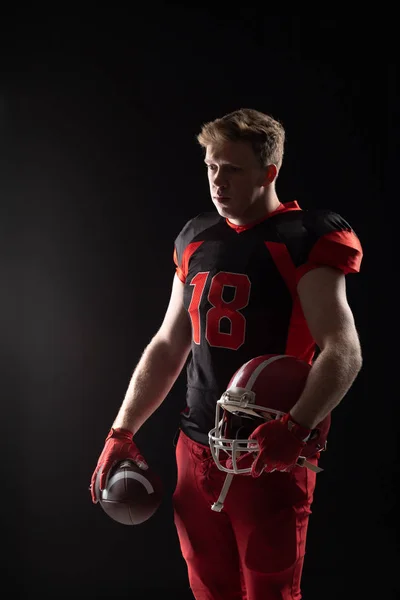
column 152, row 379
column 330, row 378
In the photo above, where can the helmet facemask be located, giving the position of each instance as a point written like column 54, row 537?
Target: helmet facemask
column 236, row 417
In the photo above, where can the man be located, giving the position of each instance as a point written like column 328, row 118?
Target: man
column 255, row 277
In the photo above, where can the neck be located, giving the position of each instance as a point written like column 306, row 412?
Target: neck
column 267, row 204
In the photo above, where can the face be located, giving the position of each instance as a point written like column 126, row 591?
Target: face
column 238, row 182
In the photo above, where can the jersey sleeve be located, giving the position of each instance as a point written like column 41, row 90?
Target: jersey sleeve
column 180, row 244
column 190, row 239
column 185, row 246
column 332, row 243
column 178, row 269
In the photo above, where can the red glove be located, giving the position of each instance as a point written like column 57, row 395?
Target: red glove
column 119, row 445
column 280, row 444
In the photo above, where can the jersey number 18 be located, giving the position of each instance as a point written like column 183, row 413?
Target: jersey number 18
column 220, row 308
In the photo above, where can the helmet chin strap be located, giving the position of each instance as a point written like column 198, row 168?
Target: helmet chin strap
column 219, row 504
column 303, row 462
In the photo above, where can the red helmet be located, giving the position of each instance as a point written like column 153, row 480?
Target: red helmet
column 264, row 388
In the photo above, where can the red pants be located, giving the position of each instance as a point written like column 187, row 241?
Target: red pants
column 252, row 550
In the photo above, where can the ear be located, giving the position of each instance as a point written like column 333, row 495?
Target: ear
column 270, row 174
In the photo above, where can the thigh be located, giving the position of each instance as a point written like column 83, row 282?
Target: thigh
column 269, row 516
column 206, row 538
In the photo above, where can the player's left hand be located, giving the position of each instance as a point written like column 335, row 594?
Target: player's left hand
column 280, row 444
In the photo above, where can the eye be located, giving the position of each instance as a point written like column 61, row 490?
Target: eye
column 211, row 167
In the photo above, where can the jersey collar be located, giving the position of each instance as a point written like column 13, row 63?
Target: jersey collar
column 283, row 207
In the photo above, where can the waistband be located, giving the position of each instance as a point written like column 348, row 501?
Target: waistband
column 197, row 448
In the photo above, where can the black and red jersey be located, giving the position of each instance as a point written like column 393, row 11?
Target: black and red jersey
column 240, row 293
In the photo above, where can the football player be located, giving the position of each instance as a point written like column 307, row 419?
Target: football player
column 255, row 276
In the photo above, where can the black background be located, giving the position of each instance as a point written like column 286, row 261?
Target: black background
column 100, row 169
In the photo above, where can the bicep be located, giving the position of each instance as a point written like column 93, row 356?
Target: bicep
column 176, row 327
column 323, row 298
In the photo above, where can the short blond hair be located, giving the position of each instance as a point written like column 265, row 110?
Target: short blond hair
column 265, row 134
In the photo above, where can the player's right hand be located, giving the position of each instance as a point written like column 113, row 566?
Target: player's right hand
column 118, row 446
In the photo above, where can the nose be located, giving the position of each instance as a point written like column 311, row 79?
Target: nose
column 220, row 179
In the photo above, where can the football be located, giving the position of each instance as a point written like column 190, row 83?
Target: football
column 132, row 495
